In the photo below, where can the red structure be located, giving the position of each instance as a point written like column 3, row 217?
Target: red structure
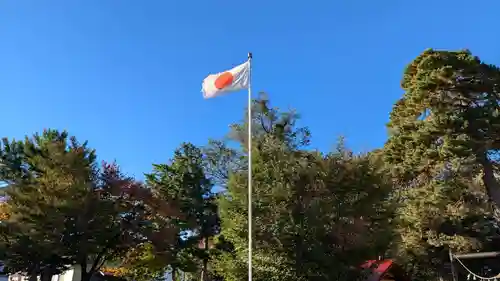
column 384, row 270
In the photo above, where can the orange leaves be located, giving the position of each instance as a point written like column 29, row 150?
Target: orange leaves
column 115, row 271
column 4, row 212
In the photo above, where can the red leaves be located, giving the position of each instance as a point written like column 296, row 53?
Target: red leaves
column 127, row 188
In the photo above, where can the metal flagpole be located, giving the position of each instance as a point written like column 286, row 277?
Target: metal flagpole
column 250, row 168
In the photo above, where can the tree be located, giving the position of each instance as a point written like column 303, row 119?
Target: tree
column 183, row 180
column 442, row 147
column 80, row 213
column 449, row 111
column 310, row 209
column 222, row 159
column 25, row 248
column 141, row 263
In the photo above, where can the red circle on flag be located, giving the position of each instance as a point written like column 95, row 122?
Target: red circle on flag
column 224, row 80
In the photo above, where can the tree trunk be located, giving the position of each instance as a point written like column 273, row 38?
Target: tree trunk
column 204, row 273
column 85, row 276
column 47, row 274
column 490, row 182
column 33, row 277
column 174, row 274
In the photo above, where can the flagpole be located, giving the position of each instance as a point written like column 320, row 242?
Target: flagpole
column 250, row 168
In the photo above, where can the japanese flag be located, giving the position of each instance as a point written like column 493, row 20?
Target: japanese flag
column 235, row 79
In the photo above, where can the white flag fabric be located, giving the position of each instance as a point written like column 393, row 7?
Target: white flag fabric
column 235, row 79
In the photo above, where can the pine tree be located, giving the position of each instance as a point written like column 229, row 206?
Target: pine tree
column 73, row 211
column 443, row 138
column 27, row 246
column 183, row 180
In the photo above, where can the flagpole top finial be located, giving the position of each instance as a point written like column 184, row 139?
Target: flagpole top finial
column 249, row 55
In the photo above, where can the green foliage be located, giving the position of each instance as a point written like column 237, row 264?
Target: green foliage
column 66, row 210
column 26, row 243
column 142, row 264
column 183, row 181
column 317, row 216
column 312, row 212
column 443, row 132
column 221, row 159
column 449, row 113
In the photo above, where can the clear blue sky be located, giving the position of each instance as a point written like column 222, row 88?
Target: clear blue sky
column 126, row 75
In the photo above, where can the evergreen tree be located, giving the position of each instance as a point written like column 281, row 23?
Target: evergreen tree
column 27, row 248
column 313, row 213
column 71, row 210
column 441, row 149
column 183, row 180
